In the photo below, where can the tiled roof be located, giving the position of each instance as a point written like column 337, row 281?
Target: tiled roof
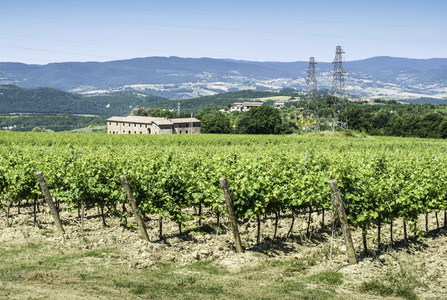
column 162, row 121
column 245, row 104
column 252, row 103
column 185, row 120
column 150, row 120
column 135, row 119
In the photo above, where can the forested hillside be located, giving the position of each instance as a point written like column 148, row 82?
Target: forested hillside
column 49, row 122
column 14, row 99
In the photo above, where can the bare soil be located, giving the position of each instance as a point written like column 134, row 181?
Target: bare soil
column 424, row 261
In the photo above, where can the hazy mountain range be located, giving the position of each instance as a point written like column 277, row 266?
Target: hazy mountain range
column 176, row 78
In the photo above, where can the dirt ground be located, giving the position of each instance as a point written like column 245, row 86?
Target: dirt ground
column 424, row 261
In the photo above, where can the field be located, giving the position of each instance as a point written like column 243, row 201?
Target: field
column 276, row 99
column 282, row 200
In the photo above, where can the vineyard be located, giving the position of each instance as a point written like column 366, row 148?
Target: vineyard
column 382, row 181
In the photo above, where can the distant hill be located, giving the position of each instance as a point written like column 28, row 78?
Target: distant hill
column 15, row 99
column 105, row 75
column 180, row 78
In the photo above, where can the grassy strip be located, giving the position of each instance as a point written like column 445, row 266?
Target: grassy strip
column 401, row 282
column 102, row 272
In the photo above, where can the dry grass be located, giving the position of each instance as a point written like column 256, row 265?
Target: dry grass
column 26, row 269
column 99, row 262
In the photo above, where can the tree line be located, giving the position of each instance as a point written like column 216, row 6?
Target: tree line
column 379, row 117
column 390, row 118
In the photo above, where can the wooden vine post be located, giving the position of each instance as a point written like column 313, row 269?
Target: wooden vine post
column 237, row 238
column 54, row 212
column 133, row 205
column 344, row 222
column 35, row 209
column 7, row 212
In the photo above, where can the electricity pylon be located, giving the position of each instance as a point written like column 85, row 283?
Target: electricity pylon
column 312, row 118
column 338, row 91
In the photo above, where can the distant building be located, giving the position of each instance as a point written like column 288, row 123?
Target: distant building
column 150, row 125
column 245, row 106
column 279, row 105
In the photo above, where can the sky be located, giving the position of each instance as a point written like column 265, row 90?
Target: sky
column 48, row 31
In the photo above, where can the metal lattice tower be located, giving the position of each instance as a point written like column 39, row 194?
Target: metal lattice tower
column 338, row 89
column 312, row 93
column 338, row 78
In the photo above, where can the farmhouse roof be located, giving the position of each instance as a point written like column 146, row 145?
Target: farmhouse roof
column 162, row 121
column 253, row 103
column 184, row 120
column 150, row 120
column 248, row 104
column 136, row 119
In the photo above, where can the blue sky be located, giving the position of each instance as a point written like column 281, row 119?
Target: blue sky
column 45, row 31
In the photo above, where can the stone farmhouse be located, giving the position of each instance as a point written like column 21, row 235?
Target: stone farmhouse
column 150, row 125
column 245, row 106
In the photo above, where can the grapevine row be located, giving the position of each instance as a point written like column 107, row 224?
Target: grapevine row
column 377, row 184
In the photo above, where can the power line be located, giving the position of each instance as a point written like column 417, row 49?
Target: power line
column 245, row 30
column 263, row 17
column 59, row 52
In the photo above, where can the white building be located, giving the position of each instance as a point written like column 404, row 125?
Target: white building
column 150, row 125
column 279, row 105
column 245, row 106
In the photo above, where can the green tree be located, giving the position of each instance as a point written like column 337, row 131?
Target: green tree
column 215, row 122
column 163, row 113
column 430, row 124
column 142, row 112
column 260, row 120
